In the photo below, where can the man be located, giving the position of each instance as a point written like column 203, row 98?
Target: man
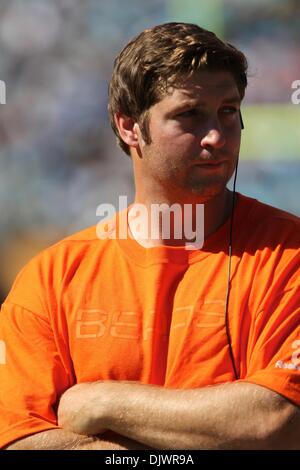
column 158, row 342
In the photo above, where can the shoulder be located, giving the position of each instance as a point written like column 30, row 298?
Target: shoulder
column 47, row 271
column 71, row 248
column 258, row 210
column 83, row 242
column 266, row 223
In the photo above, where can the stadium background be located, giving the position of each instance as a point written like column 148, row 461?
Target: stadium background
column 58, row 158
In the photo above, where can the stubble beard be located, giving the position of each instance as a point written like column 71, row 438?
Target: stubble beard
column 206, row 187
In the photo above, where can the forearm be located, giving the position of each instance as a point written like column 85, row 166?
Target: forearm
column 229, row 416
column 59, row 439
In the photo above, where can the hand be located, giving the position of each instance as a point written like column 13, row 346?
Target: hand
column 82, row 409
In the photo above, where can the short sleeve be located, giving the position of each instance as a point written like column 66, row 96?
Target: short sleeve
column 274, row 345
column 32, row 375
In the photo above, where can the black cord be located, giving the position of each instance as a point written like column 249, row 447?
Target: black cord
column 229, row 265
column 229, row 275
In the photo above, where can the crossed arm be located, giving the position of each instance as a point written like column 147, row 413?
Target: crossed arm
column 230, row 416
column 60, row 439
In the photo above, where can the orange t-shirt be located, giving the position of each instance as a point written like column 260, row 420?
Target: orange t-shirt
column 89, row 309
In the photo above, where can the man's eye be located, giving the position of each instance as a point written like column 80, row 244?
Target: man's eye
column 189, row 113
column 229, row 110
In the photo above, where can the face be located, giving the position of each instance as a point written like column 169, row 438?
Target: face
column 195, row 138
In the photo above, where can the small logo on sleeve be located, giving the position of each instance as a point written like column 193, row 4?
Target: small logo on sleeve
column 2, row 352
column 295, row 360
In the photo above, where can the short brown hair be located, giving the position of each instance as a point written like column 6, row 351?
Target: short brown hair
column 161, row 56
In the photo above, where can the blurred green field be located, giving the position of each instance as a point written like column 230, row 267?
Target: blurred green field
column 271, row 131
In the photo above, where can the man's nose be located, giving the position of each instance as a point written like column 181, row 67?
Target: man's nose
column 213, row 137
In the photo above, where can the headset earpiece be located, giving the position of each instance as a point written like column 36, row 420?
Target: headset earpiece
column 241, row 120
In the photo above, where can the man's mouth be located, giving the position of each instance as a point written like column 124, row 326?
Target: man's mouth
column 211, row 165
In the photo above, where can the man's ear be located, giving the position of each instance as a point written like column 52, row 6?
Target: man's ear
column 128, row 129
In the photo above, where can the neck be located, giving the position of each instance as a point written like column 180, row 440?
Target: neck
column 152, row 223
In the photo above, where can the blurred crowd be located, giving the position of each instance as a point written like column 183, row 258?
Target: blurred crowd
column 58, row 158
